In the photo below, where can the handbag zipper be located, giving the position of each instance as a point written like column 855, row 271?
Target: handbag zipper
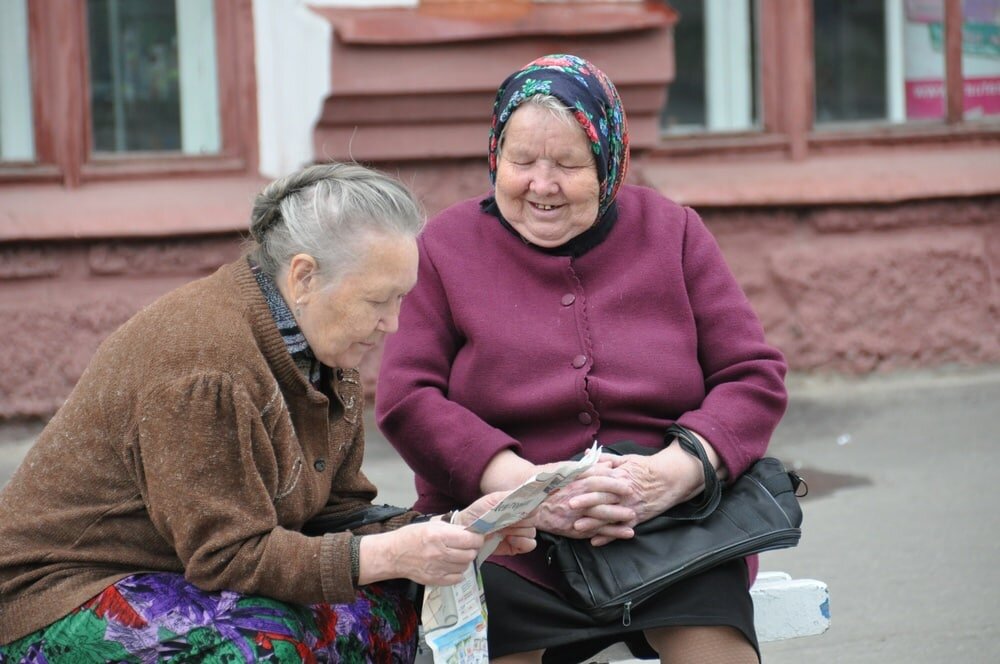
column 627, row 614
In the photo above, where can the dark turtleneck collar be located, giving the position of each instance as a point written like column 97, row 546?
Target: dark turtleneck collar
column 577, row 246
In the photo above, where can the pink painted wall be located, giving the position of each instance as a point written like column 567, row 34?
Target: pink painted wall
column 841, row 288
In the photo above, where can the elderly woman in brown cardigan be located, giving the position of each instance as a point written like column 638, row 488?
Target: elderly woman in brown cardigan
column 175, row 506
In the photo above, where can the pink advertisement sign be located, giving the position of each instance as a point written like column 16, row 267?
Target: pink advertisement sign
column 925, row 98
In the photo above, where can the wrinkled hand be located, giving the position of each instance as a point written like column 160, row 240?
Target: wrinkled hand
column 433, row 553
column 516, row 539
column 655, row 484
column 595, row 504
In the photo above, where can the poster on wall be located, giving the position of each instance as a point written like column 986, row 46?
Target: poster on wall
column 923, row 41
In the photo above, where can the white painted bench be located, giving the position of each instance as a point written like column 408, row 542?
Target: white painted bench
column 784, row 608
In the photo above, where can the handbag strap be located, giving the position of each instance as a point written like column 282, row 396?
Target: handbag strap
column 705, row 503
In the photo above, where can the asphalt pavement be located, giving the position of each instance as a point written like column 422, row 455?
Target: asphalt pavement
column 901, row 520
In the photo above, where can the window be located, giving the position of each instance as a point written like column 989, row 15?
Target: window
column 850, row 47
column 16, row 128
column 153, row 80
column 884, row 61
column 792, row 76
column 120, row 88
column 924, row 45
column 714, row 87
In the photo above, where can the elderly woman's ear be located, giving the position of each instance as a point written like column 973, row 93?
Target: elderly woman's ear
column 301, row 278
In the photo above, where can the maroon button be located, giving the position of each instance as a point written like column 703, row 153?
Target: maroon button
column 585, row 418
column 568, row 299
column 579, row 361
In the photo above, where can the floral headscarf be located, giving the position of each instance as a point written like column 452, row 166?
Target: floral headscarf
column 594, row 102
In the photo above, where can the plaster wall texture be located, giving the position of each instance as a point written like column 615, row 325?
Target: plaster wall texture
column 58, row 301
column 857, row 289
column 841, row 289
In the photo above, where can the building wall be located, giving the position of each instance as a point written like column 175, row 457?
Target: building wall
column 847, row 289
column 60, row 299
column 898, row 267
column 854, row 289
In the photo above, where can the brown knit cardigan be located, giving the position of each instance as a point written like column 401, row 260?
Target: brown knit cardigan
column 191, row 444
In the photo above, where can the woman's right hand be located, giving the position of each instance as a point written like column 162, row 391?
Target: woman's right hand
column 605, row 511
column 433, row 553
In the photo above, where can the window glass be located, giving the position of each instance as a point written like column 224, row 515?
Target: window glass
column 884, row 61
column 924, row 44
column 17, row 142
column 981, row 57
column 850, row 49
column 686, row 93
column 153, row 82
column 714, row 86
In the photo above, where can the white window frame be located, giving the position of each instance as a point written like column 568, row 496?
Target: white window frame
column 728, row 84
column 200, row 122
column 17, row 133
column 201, row 131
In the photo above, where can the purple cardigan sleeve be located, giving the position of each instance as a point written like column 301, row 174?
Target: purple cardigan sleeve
column 744, row 375
column 442, row 441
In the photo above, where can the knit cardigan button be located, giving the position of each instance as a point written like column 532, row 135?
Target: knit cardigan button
column 584, row 418
column 568, row 299
column 579, row 361
column 320, row 465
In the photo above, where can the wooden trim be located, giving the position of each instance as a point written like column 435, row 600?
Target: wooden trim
column 769, row 27
column 909, row 135
column 225, row 42
column 954, row 82
column 140, row 165
column 24, row 172
column 243, row 60
column 787, row 70
column 719, row 144
column 58, row 53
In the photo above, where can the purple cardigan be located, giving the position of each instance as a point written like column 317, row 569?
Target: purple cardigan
column 504, row 346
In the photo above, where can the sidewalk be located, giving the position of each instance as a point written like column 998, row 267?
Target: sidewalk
column 901, row 522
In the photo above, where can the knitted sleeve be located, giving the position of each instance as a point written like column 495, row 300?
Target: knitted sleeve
column 212, row 484
column 744, row 375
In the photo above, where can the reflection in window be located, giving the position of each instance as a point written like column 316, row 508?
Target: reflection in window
column 17, row 142
column 714, row 87
column 850, row 60
column 924, row 44
column 878, row 61
column 153, row 84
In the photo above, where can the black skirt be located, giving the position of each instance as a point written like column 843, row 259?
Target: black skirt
column 524, row 616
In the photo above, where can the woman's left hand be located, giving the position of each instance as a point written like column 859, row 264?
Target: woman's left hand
column 516, row 539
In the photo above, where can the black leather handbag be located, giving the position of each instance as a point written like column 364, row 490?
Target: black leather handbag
column 758, row 512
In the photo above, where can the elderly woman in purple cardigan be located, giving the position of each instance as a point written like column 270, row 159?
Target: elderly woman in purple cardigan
column 564, row 307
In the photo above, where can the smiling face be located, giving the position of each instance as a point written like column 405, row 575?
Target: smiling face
column 546, row 181
column 345, row 320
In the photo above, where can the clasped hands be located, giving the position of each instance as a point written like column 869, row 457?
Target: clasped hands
column 618, row 492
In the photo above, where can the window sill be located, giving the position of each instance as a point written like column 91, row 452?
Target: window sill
column 874, row 176
column 134, row 209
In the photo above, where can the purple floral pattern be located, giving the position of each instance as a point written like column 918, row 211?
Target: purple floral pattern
column 151, row 618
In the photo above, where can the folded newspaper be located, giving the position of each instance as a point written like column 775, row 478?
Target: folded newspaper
column 454, row 617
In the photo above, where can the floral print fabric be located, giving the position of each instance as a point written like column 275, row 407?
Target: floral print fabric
column 151, row 618
column 593, row 100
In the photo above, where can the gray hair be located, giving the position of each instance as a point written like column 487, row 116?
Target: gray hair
column 552, row 104
column 328, row 211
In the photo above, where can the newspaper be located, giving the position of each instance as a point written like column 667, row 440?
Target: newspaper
column 454, row 617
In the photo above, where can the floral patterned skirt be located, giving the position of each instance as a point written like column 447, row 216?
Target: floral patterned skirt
column 160, row 617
